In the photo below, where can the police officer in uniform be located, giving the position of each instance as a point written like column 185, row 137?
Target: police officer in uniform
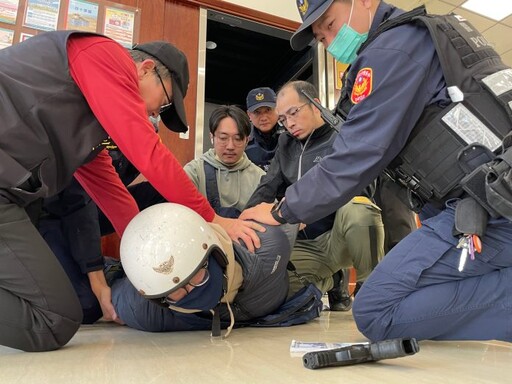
column 261, row 109
column 407, row 107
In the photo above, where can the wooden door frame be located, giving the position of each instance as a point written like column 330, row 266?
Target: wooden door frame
column 246, row 13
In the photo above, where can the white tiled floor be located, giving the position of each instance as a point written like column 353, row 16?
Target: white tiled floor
column 107, row 353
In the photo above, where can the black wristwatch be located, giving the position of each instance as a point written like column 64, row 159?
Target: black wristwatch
column 275, row 212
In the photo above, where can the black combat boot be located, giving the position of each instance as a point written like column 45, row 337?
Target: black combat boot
column 339, row 298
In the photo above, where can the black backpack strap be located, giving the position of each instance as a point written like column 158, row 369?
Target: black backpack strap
column 212, row 194
column 212, row 189
column 404, row 18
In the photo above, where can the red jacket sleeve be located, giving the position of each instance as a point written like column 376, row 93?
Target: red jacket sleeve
column 107, row 77
column 109, row 193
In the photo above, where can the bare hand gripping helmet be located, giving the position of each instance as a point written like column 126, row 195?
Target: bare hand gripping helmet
column 164, row 246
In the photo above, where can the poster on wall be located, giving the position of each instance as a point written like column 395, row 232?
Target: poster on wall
column 6, row 38
column 24, row 36
column 82, row 15
column 42, row 14
column 339, row 71
column 8, row 11
column 119, row 25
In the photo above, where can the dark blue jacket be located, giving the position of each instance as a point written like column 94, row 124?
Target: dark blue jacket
column 406, row 78
column 262, row 147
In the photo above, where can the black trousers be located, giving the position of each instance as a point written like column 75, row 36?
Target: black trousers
column 40, row 310
column 398, row 219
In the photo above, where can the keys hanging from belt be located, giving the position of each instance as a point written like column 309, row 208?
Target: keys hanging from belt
column 469, row 244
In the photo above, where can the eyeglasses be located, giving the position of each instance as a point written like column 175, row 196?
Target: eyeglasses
column 194, row 282
column 282, row 120
column 224, row 139
column 164, row 107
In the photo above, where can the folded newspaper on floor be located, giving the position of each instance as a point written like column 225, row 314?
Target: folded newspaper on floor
column 299, row 348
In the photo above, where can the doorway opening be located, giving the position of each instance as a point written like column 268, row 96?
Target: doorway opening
column 241, row 55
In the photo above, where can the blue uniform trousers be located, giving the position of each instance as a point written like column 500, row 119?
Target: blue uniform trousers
column 417, row 290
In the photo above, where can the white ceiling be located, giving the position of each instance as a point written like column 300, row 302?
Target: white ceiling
column 497, row 33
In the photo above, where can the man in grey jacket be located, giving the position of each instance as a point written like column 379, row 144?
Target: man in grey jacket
column 224, row 174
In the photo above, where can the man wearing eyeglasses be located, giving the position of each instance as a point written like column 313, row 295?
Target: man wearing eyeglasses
column 63, row 93
column 224, row 174
column 203, row 280
column 353, row 236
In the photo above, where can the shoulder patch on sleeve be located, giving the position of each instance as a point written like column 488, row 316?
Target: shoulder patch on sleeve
column 362, row 85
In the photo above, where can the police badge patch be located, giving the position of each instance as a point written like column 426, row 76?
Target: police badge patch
column 362, row 85
column 303, row 7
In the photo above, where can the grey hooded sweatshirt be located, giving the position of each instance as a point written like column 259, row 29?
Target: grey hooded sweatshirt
column 236, row 183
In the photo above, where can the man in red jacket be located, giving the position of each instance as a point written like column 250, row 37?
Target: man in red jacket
column 63, row 93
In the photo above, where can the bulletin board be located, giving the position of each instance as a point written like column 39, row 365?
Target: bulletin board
column 21, row 19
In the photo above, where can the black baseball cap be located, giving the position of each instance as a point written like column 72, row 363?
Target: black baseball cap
column 310, row 11
column 260, row 97
column 176, row 62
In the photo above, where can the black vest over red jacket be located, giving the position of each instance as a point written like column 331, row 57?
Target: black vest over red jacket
column 47, row 129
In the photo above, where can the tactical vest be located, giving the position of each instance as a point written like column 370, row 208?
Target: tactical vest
column 447, row 143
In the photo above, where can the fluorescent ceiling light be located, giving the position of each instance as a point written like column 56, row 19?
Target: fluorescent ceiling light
column 493, row 9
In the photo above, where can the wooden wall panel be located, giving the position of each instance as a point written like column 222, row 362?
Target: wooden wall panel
column 152, row 20
column 181, row 27
column 177, row 22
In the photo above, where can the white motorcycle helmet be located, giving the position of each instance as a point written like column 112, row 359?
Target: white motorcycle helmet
column 164, row 246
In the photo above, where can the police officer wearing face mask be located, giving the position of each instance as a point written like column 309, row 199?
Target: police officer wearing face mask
column 420, row 92
column 397, row 217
